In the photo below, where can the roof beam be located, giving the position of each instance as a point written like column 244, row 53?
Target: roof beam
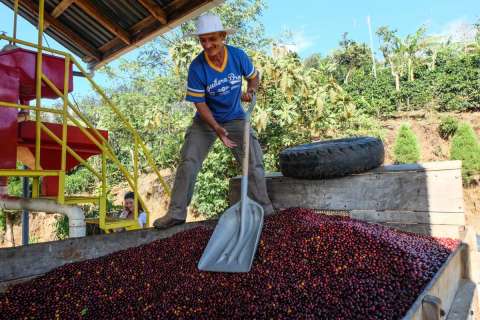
column 32, row 6
column 61, row 7
column 134, row 30
column 147, row 35
column 155, row 10
column 111, row 26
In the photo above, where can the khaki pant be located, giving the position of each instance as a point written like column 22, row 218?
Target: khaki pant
column 198, row 141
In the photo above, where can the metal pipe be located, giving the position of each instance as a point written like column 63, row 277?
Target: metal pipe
column 28, row 173
column 135, row 179
column 25, row 218
column 38, row 93
column 76, row 217
column 63, row 162
column 80, row 115
column 69, row 150
column 103, row 197
column 33, row 45
column 374, row 67
column 15, row 15
column 5, row 104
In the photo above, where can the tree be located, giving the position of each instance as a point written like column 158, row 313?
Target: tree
column 434, row 45
column 414, row 44
column 402, row 55
column 351, row 56
column 392, row 50
column 477, row 29
column 313, row 61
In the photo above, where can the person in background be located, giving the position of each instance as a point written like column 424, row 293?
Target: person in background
column 128, row 209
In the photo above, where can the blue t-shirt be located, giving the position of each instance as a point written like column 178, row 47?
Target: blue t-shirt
column 220, row 88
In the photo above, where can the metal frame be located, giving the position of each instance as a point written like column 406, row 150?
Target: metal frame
column 86, row 128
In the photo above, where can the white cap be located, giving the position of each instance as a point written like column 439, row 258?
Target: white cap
column 209, row 23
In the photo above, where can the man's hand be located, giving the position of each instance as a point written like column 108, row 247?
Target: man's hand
column 223, row 135
column 248, row 95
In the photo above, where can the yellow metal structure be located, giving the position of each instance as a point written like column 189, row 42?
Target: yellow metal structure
column 87, row 128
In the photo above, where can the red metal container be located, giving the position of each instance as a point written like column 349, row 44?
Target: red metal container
column 17, row 84
column 50, row 154
column 25, row 61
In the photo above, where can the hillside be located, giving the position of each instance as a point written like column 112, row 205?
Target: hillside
column 424, row 124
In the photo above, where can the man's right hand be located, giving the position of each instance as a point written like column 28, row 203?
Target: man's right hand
column 222, row 133
column 207, row 116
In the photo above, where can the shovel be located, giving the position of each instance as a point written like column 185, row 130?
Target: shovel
column 234, row 241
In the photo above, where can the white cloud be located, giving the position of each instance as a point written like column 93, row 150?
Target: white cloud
column 298, row 40
column 458, row 30
column 301, row 41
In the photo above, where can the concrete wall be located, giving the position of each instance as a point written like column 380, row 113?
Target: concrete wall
column 20, row 263
column 425, row 198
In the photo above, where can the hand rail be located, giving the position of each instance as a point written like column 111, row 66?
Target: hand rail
column 85, row 126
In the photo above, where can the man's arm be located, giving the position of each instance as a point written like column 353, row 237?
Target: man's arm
column 252, row 87
column 207, row 116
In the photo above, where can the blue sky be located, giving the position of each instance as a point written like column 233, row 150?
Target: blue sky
column 317, row 26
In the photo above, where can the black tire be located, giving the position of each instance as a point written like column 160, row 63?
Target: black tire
column 332, row 158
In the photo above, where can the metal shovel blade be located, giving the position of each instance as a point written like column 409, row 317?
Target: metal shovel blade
column 234, row 241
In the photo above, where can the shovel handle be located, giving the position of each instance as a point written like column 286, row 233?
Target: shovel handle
column 252, row 104
column 246, row 136
column 246, row 149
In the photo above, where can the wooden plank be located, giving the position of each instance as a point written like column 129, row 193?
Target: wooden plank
column 139, row 26
column 472, row 269
column 391, row 168
column 177, row 4
column 154, row 10
column 61, row 7
column 33, row 260
column 434, row 230
column 419, row 167
column 110, row 25
column 463, row 305
column 426, row 217
column 136, row 28
column 144, row 37
column 424, row 191
column 32, row 6
column 443, row 285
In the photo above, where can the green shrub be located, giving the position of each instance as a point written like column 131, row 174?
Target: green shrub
column 374, row 96
column 15, row 187
column 79, row 180
column 3, row 221
column 33, row 239
column 465, row 147
column 211, row 189
column 456, row 83
column 407, row 148
column 61, row 227
column 448, row 126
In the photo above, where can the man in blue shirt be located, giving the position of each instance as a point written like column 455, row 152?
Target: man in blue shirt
column 215, row 87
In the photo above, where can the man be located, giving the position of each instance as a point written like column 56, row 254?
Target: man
column 214, row 86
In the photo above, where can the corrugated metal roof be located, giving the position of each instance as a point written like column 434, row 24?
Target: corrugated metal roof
column 98, row 42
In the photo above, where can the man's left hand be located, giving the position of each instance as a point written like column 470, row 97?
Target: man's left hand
column 247, row 96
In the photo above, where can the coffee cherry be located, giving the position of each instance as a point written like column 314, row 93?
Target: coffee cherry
column 308, row 266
